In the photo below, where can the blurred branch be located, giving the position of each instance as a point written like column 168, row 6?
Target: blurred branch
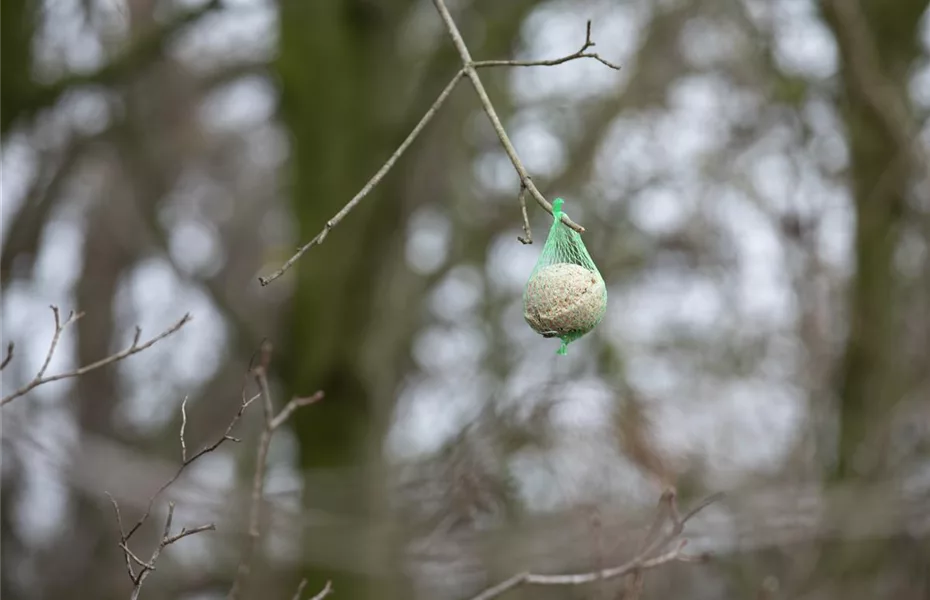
column 646, row 559
column 468, row 70
column 326, row 591
column 8, row 357
column 271, row 423
column 472, row 74
column 864, row 64
column 135, row 348
column 55, row 167
column 141, row 52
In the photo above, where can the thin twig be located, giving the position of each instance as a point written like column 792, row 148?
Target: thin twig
column 472, row 74
column 138, row 560
column 9, row 356
column 467, row 70
column 293, row 405
column 167, row 538
column 122, row 538
column 186, row 532
column 326, row 591
column 134, row 348
column 698, row 508
column 663, row 510
column 183, row 426
column 376, row 178
column 185, row 464
column 244, row 569
column 553, row 61
column 140, row 578
column 271, row 422
column 644, row 560
column 300, row 589
column 578, row 578
column 528, row 233
column 59, row 328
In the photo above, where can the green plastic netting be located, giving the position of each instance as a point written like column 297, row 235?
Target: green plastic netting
column 565, row 296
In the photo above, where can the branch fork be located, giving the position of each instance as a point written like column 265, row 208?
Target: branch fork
column 470, row 70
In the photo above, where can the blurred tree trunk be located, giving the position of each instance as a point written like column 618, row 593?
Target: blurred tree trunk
column 878, row 46
column 16, row 32
column 881, row 174
column 328, row 66
column 341, row 82
column 17, row 28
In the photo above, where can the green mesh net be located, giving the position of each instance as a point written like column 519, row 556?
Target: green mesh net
column 565, row 296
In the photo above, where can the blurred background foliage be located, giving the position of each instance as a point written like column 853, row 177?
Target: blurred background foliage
column 754, row 184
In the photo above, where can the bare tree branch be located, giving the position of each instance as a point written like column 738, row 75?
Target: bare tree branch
column 8, row 357
column 326, row 591
column 271, row 422
column 166, row 540
column 136, row 56
column 644, row 560
column 300, row 589
column 582, row 53
column 376, row 178
column 472, row 74
column 134, row 348
column 183, row 426
column 186, row 532
column 469, row 70
column 293, row 405
column 186, row 463
column 527, row 232
column 138, row 561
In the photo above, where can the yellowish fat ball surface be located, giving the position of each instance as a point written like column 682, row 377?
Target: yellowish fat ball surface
column 564, row 299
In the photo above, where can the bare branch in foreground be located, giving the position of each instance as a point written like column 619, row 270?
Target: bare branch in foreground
column 271, row 423
column 644, row 560
column 189, row 461
column 134, row 348
column 166, row 540
column 467, row 70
